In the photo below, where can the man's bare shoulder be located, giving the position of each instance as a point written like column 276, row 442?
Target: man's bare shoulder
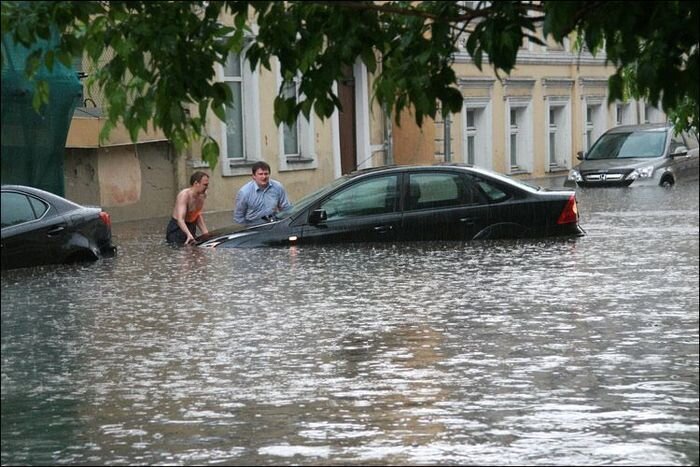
column 184, row 194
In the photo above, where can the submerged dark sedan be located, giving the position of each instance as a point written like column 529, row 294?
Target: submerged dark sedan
column 413, row 203
column 39, row 227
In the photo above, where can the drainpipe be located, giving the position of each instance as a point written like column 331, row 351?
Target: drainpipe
column 447, row 140
column 388, row 138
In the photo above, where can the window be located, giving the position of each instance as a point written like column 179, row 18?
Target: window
column 690, row 140
column 493, row 193
column 368, row 197
column 552, row 137
column 477, row 134
column 513, row 139
column 235, row 134
column 595, row 119
column 471, row 135
column 618, row 114
column 18, row 208
column 519, row 135
column 629, row 145
column 434, row 190
column 589, row 127
column 240, row 137
column 296, row 141
column 291, row 132
column 676, row 142
column 625, row 113
column 558, row 134
column 653, row 115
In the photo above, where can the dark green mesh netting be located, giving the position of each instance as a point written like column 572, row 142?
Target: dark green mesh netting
column 33, row 144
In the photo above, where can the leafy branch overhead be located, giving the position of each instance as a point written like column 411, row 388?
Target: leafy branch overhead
column 165, row 52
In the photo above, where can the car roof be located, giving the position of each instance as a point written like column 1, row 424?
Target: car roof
column 48, row 196
column 415, row 167
column 642, row 127
column 459, row 166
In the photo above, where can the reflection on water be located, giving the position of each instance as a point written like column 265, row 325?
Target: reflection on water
column 580, row 351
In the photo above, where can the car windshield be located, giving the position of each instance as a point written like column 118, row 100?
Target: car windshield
column 629, row 145
column 308, row 199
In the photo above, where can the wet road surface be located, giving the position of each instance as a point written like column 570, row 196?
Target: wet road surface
column 560, row 351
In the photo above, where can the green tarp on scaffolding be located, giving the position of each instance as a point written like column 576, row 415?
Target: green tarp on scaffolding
column 33, row 144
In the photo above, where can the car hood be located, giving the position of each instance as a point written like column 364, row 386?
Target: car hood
column 234, row 229
column 627, row 163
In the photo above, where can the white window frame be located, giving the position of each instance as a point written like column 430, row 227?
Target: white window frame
column 596, row 125
column 250, row 93
column 624, row 113
column 561, row 129
column 652, row 114
column 306, row 158
column 482, row 132
column 523, row 133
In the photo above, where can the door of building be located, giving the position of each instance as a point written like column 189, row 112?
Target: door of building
column 348, row 141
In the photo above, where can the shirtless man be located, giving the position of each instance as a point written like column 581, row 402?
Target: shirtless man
column 187, row 213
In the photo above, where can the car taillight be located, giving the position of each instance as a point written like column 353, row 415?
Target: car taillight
column 106, row 219
column 569, row 214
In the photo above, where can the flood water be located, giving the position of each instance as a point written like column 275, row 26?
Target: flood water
column 576, row 351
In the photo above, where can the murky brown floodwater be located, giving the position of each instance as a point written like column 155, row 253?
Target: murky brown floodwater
column 580, row 351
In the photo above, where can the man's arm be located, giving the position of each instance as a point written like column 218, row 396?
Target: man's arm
column 180, row 211
column 202, row 226
column 241, row 207
column 284, row 199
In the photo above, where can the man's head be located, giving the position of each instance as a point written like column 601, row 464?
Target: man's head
column 261, row 173
column 199, row 181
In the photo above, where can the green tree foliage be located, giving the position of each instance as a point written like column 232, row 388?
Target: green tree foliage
column 165, row 51
column 654, row 47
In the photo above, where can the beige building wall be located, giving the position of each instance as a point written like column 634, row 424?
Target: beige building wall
column 556, row 78
column 140, row 180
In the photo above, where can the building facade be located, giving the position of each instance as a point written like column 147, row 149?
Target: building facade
column 530, row 124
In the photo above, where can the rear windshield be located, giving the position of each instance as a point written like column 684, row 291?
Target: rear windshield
column 629, row 145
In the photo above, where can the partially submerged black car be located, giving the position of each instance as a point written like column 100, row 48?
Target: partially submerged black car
column 413, row 203
column 39, row 227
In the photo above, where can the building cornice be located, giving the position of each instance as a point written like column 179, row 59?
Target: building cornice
column 543, row 58
column 593, row 81
column 558, row 82
column 475, row 82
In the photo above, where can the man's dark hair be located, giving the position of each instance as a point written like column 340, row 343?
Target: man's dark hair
column 261, row 165
column 197, row 176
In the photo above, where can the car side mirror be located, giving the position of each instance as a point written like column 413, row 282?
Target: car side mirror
column 680, row 151
column 317, row 216
column 580, row 155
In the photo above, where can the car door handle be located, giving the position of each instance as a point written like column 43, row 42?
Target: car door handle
column 56, row 230
column 382, row 228
column 466, row 220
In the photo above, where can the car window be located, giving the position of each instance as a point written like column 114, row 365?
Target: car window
column 490, row 190
column 368, row 197
column 435, row 190
column 39, row 206
column 628, row 145
column 18, row 208
column 676, row 142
